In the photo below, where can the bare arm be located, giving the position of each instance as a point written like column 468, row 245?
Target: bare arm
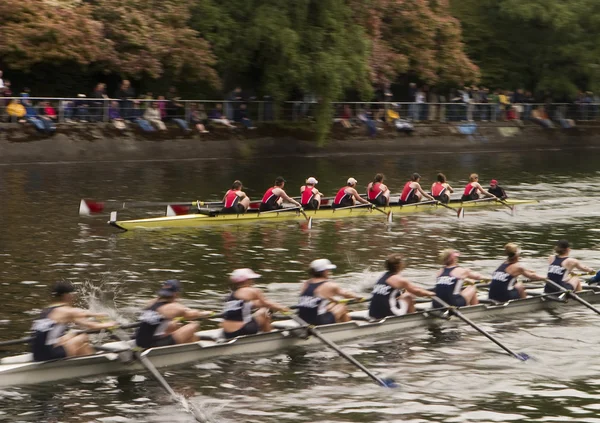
column 358, row 198
column 261, row 301
column 449, row 188
column 578, row 265
column 484, row 192
column 346, row 294
column 423, row 193
column 468, row 273
column 287, row 198
column 531, row 275
column 413, row 289
column 81, row 317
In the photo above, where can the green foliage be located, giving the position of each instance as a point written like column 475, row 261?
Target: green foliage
column 538, row 44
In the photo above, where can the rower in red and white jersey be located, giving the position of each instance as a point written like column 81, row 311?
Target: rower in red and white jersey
column 473, row 189
column 275, row 196
column 412, row 192
column 348, row 196
column 310, row 197
column 235, row 200
column 377, row 192
column 441, row 189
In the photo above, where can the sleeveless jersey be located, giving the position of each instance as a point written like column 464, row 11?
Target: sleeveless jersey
column 408, row 194
column 310, row 306
column 375, row 191
column 470, row 193
column 270, row 199
column 447, row 286
column 502, row 281
column 152, row 325
column 237, row 310
column 231, row 199
column 556, row 272
column 342, row 199
column 46, row 333
column 438, row 189
column 307, row 195
column 384, row 299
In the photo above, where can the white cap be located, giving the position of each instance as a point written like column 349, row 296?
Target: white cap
column 241, row 275
column 321, row 265
column 352, row 181
column 312, row 181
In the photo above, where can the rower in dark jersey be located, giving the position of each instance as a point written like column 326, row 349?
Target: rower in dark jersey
column 377, row 192
column 348, row 196
column 473, row 188
column 50, row 338
column 317, row 305
column 412, row 192
column 275, row 196
column 504, row 286
column 393, row 294
column 560, row 267
column 235, row 200
column 441, row 189
column 496, row 190
column 449, row 282
column 238, row 319
column 310, row 197
column 158, row 327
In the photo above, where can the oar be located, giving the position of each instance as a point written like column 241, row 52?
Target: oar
column 573, row 295
column 453, row 310
column 87, row 207
column 459, row 211
column 504, row 203
column 389, row 214
column 387, row 383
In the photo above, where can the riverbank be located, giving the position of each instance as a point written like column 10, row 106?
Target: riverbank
column 103, row 142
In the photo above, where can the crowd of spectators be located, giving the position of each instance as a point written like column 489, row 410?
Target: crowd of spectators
column 155, row 113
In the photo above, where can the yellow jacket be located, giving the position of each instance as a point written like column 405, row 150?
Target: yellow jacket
column 392, row 115
column 15, row 109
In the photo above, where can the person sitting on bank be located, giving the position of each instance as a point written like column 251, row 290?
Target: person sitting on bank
column 238, row 319
column 114, row 115
column 198, row 118
column 159, row 325
column 50, row 338
column 241, row 116
column 216, row 115
column 152, row 115
column 497, row 190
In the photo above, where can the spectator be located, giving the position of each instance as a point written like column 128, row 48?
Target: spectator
column 433, row 99
column 420, row 99
column 81, row 108
column 7, row 93
column 15, row 111
column 529, row 100
column 114, row 115
column 365, row 117
column 1, row 83
column 216, row 116
column 241, row 116
column 199, row 119
column 540, row 117
column 152, row 115
column 176, row 110
column 125, row 94
column 503, row 103
column 47, row 115
column 412, row 99
column 401, row 125
column 162, row 106
column 144, row 104
column 346, row 116
column 230, row 104
column 98, row 96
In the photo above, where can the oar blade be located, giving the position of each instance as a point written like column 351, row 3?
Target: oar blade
column 177, row 210
column 388, row 383
column 523, row 356
column 460, row 213
column 88, row 207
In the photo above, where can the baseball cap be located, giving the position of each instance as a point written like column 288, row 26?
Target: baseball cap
column 312, row 180
column 241, row 275
column 321, row 265
column 352, row 181
column 169, row 288
column 493, row 182
column 62, row 287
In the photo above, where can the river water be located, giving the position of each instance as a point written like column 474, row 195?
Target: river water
column 448, row 375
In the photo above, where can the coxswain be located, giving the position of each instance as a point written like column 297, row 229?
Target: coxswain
column 496, row 190
column 160, row 323
column 560, row 267
column 235, row 200
column 275, row 196
column 473, row 189
column 310, row 197
column 238, row 318
column 504, row 286
column 441, row 189
column 348, row 196
column 317, row 304
column 377, row 192
column 449, row 282
column 50, row 338
column 412, row 191
column 393, row 294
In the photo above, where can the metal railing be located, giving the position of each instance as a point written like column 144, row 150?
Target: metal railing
column 95, row 110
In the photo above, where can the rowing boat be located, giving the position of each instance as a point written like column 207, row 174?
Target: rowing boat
column 252, row 216
column 20, row 370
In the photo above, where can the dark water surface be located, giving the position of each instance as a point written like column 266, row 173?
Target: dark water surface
column 451, row 375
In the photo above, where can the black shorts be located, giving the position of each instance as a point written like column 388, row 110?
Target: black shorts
column 412, row 200
column 342, row 204
column 471, row 197
column 379, row 201
column 162, row 341
column 442, row 198
column 326, row 319
column 237, row 209
column 250, row 328
column 456, row 301
column 312, row 205
column 50, row 353
column 549, row 288
column 268, row 207
column 504, row 295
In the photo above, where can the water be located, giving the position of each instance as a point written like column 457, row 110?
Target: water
column 448, row 375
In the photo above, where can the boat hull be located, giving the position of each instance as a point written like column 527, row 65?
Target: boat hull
column 13, row 372
column 198, row 220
